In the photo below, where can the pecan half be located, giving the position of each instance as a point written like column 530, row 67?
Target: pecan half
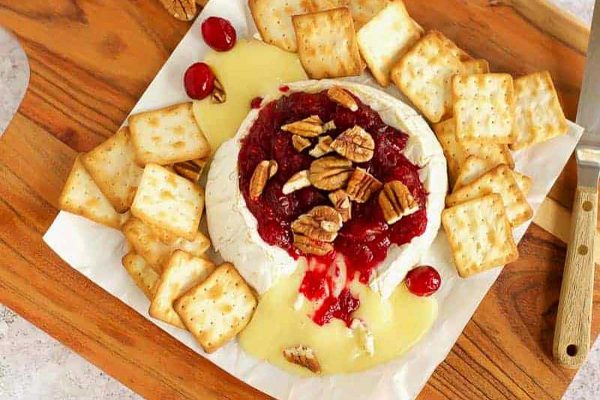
column 342, row 97
column 322, row 147
column 303, row 356
column 330, row 173
column 191, row 170
column 362, row 186
column 300, row 143
column 262, row 173
column 355, row 144
column 341, row 202
column 396, row 201
column 218, row 94
column 184, row 10
column 298, row 181
column 312, row 246
column 321, row 223
column 307, row 127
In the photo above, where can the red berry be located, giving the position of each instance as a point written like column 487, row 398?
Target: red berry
column 423, row 281
column 255, row 103
column 218, row 33
column 199, row 81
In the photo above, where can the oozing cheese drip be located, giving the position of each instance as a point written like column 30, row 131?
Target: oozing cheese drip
column 385, row 329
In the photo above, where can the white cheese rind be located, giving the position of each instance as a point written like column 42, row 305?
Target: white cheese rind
column 233, row 228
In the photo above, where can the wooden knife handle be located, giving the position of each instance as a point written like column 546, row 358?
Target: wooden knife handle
column 573, row 322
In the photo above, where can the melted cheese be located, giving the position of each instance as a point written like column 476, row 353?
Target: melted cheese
column 251, row 69
column 393, row 326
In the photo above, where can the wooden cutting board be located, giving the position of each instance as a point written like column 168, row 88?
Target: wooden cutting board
column 91, row 61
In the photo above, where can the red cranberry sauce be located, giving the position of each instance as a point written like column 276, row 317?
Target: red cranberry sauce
column 364, row 240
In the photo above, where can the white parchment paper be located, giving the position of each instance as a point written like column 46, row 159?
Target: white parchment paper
column 96, row 252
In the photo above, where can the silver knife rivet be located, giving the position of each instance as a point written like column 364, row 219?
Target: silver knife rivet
column 582, row 250
column 587, row 206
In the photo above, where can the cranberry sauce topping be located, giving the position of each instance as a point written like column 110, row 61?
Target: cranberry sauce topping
column 363, row 240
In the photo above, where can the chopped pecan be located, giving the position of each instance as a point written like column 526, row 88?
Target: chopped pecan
column 300, row 143
column 218, row 93
column 322, row 147
column 262, row 173
column 191, row 170
column 330, row 173
column 184, row 10
column 308, row 127
column 341, row 202
column 312, row 246
column 303, row 356
column 355, row 144
column 396, row 201
column 342, row 97
column 321, row 223
column 329, row 126
column 362, row 185
column 298, row 181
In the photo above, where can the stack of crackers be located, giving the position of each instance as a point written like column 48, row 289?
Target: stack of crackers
column 144, row 181
column 478, row 116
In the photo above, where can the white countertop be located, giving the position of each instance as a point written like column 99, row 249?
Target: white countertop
column 35, row 366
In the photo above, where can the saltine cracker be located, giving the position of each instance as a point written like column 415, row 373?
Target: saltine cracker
column 81, row 196
column 142, row 274
column 167, row 136
column 474, row 167
column 327, row 45
column 500, row 180
column 538, row 113
column 273, row 18
column 169, row 201
column 400, row 32
column 181, row 274
column 484, row 107
column 112, row 166
column 216, row 310
column 424, row 74
column 479, row 234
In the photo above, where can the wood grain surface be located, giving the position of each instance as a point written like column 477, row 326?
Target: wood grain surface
column 90, row 62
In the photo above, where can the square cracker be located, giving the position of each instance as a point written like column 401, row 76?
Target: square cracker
column 169, row 201
column 424, row 74
column 142, row 274
column 538, row 114
column 167, row 136
column 476, row 66
column 484, row 107
column 146, row 241
column 327, row 44
column 452, row 150
column 400, row 31
column 218, row 309
column 112, row 166
column 364, row 10
column 479, row 234
column 499, row 180
column 181, row 274
column 82, row 196
column 474, row 167
column 274, row 18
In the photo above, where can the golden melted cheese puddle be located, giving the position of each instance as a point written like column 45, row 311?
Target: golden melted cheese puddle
column 396, row 324
column 251, row 69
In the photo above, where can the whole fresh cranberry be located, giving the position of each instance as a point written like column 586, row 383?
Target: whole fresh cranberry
column 218, row 33
column 199, row 81
column 423, row 281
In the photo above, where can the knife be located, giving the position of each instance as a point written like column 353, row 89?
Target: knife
column 573, row 322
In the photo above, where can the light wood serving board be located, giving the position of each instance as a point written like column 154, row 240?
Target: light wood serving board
column 90, row 62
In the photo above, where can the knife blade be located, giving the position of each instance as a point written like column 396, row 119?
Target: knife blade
column 588, row 111
column 574, row 318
